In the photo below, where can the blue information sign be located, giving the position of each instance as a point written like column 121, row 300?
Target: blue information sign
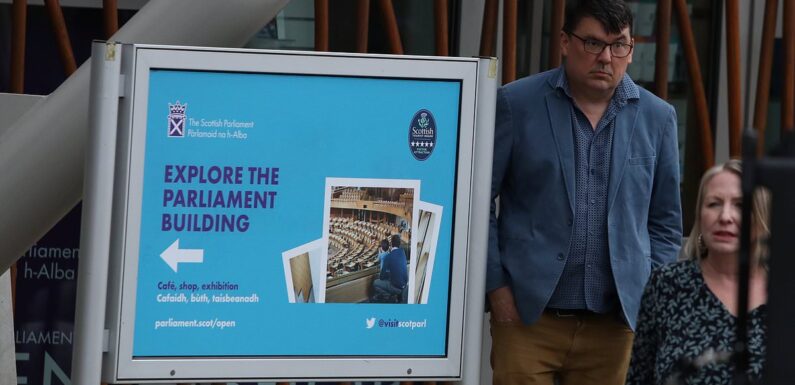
column 288, row 215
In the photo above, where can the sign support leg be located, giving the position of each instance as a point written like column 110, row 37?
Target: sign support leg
column 92, row 278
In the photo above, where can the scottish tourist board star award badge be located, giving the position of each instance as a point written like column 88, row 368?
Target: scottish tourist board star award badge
column 422, row 134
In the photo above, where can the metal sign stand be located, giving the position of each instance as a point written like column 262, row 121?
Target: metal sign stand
column 92, row 285
column 98, row 323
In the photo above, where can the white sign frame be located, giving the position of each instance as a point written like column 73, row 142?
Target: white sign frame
column 469, row 227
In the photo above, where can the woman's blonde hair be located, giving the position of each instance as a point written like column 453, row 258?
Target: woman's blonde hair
column 760, row 216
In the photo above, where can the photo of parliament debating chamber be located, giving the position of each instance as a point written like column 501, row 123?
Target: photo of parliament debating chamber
column 360, row 218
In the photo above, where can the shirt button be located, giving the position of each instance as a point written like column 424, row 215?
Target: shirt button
column 590, row 265
column 560, row 256
column 593, row 201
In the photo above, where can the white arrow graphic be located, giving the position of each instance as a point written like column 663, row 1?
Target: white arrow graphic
column 173, row 255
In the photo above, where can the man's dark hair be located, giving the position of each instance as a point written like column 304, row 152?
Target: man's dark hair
column 614, row 15
column 384, row 245
column 396, row 240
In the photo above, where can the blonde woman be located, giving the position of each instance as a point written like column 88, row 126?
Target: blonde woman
column 689, row 309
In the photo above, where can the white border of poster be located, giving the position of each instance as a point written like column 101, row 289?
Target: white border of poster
column 121, row 367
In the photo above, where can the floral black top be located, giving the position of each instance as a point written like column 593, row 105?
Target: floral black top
column 680, row 319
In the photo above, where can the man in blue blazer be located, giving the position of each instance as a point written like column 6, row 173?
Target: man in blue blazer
column 586, row 168
column 393, row 276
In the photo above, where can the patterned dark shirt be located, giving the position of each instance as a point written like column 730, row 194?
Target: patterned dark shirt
column 681, row 319
column 587, row 280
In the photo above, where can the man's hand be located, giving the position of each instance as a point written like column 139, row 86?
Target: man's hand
column 503, row 307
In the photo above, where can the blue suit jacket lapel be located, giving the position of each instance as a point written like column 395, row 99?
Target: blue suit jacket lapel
column 560, row 122
column 624, row 129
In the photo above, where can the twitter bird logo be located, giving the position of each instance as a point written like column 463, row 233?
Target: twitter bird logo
column 370, row 322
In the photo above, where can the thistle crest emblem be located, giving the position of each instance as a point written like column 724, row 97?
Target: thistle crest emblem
column 423, row 121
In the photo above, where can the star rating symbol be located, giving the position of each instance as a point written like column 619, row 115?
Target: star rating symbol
column 421, row 144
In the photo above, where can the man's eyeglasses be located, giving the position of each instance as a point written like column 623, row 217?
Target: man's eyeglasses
column 617, row 49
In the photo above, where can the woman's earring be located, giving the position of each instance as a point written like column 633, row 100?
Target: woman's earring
column 702, row 248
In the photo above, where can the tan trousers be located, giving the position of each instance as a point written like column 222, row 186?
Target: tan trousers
column 576, row 349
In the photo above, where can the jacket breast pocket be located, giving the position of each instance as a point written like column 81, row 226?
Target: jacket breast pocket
column 643, row 160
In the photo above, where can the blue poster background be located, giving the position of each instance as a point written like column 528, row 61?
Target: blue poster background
column 310, row 128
